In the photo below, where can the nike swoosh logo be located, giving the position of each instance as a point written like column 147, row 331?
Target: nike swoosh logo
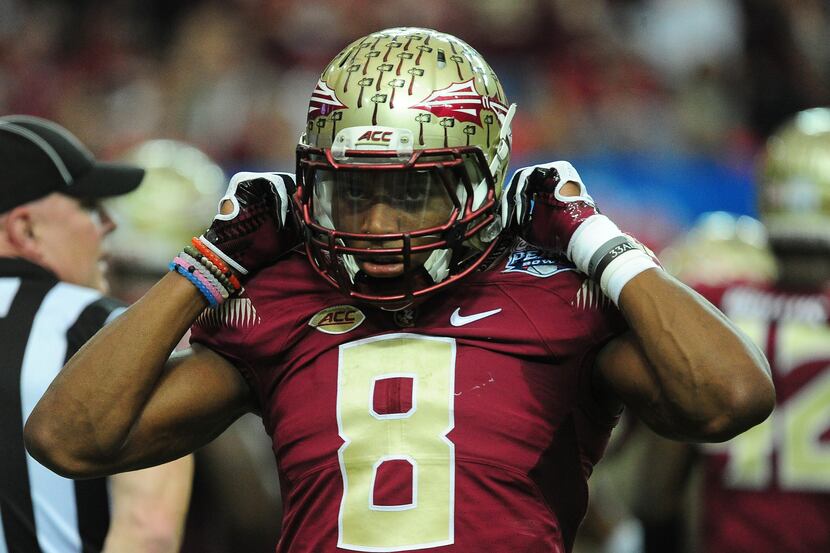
column 457, row 319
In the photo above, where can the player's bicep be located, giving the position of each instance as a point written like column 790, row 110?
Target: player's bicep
column 199, row 394
column 622, row 373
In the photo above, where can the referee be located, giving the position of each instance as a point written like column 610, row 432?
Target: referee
column 51, row 302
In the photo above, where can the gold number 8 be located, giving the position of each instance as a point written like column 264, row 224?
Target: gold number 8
column 418, row 437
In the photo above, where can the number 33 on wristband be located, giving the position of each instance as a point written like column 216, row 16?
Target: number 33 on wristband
column 416, row 437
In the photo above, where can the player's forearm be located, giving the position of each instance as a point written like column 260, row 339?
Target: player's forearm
column 81, row 420
column 713, row 382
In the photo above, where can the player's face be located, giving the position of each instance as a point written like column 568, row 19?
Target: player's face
column 388, row 202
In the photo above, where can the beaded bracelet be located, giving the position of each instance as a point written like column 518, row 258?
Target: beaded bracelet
column 205, row 273
column 204, row 250
column 208, row 264
column 195, row 281
column 214, row 292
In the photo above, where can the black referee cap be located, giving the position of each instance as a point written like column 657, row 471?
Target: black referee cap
column 38, row 157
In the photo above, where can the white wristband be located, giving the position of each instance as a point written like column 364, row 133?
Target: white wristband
column 595, row 231
column 592, row 235
column 620, row 272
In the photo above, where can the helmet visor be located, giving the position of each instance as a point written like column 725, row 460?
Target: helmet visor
column 382, row 202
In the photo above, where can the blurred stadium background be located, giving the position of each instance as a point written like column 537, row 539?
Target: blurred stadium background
column 662, row 105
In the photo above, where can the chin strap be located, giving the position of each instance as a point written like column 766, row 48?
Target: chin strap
column 438, row 264
column 502, row 154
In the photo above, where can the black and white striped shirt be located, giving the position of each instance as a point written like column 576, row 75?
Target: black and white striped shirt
column 43, row 322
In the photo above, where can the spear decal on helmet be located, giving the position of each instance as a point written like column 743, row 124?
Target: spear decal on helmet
column 321, row 123
column 462, row 102
column 488, row 120
column 323, row 101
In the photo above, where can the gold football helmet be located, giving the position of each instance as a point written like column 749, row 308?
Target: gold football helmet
column 175, row 201
column 721, row 248
column 794, row 180
column 401, row 164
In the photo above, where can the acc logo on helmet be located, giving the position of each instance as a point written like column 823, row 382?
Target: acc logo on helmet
column 376, row 136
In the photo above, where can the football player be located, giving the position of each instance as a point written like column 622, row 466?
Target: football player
column 430, row 380
column 769, row 488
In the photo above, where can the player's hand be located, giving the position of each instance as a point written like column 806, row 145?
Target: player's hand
column 554, row 212
column 551, row 202
column 255, row 224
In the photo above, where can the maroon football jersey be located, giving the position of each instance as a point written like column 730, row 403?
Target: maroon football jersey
column 768, row 490
column 467, row 424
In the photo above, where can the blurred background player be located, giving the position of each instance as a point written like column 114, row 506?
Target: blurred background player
column 768, row 489
column 181, row 187
column 736, row 250
column 721, row 248
column 235, row 492
column 52, row 284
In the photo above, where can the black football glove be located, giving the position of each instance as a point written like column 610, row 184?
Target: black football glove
column 255, row 225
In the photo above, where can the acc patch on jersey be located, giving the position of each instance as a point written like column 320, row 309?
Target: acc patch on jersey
column 526, row 259
column 339, row 319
